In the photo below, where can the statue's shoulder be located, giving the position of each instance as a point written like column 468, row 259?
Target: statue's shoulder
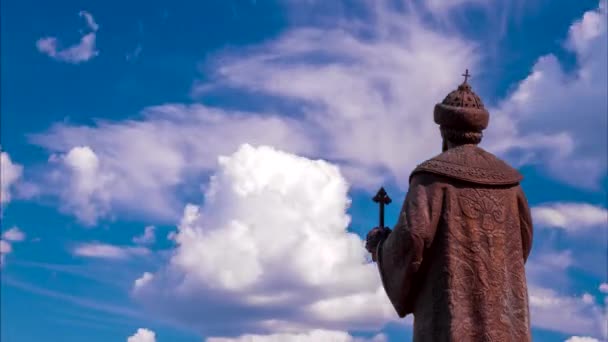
column 470, row 163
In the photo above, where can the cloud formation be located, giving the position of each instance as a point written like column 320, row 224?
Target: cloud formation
column 83, row 184
column 147, row 237
column 107, row 251
column 571, row 216
column 362, row 112
column 373, row 107
column 5, row 248
column 10, row 174
column 312, row 336
column 582, row 339
column 268, row 251
column 8, row 237
column 557, row 119
column 566, row 314
column 143, row 335
column 75, row 54
column 14, row 235
column 125, row 175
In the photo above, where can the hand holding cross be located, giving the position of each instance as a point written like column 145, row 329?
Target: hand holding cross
column 382, row 199
column 379, row 233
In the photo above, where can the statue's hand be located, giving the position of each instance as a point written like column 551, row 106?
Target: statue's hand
column 373, row 239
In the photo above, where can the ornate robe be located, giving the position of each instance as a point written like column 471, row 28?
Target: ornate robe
column 456, row 257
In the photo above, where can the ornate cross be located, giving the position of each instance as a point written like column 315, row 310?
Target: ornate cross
column 382, row 199
column 466, row 75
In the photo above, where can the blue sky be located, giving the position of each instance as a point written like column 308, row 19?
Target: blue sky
column 119, row 215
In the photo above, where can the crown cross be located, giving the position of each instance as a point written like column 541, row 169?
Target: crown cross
column 466, row 75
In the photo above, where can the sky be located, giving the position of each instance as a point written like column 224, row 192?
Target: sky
column 203, row 170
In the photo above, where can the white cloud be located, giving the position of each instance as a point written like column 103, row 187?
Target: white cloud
column 362, row 111
column 90, row 20
column 148, row 236
column 312, row 336
column 566, row 314
column 603, row 288
column 269, row 251
column 106, row 251
column 86, row 191
column 5, row 248
column 368, row 98
column 558, row 119
column 440, row 7
column 14, row 235
column 582, row 339
column 143, row 335
column 570, row 216
column 143, row 280
column 9, row 175
column 78, row 53
column 185, row 142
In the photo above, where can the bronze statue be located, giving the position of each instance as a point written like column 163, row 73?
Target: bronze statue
column 455, row 259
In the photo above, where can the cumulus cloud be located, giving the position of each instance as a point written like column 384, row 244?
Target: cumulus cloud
column 557, row 119
column 603, row 288
column 268, row 251
column 14, row 235
column 148, row 236
column 9, row 175
column 107, row 251
column 312, row 336
column 143, row 335
column 571, row 216
column 84, row 184
column 78, row 53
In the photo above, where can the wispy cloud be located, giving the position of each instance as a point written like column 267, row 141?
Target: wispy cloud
column 573, row 217
column 134, row 55
column 78, row 53
column 107, row 251
column 312, row 336
column 120, row 310
column 147, row 237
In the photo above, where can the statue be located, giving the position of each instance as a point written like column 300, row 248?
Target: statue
column 455, row 259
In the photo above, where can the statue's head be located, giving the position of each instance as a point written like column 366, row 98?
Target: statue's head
column 461, row 117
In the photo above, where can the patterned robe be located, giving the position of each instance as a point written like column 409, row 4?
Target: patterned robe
column 456, row 257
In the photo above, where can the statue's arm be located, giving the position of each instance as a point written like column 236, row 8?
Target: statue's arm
column 525, row 220
column 400, row 255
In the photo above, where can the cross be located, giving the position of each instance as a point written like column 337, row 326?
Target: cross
column 466, row 75
column 382, row 198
